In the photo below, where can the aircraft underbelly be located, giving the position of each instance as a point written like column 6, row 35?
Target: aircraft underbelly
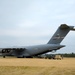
column 39, row 50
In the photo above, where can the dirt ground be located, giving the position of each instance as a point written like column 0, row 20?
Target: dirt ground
column 34, row 66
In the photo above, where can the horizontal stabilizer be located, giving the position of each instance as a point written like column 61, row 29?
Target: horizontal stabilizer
column 73, row 29
column 64, row 26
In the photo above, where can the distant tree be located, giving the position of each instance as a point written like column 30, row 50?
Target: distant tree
column 69, row 54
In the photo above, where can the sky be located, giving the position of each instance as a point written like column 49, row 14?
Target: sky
column 33, row 22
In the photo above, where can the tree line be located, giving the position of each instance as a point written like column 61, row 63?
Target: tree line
column 68, row 54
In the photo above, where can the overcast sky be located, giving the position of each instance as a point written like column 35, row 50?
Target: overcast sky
column 33, row 22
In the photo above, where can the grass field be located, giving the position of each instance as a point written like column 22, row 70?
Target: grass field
column 24, row 66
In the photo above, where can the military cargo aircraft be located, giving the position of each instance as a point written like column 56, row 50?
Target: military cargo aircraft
column 52, row 45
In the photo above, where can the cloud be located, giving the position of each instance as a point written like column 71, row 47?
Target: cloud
column 33, row 21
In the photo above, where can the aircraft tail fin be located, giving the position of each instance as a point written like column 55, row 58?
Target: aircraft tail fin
column 60, row 34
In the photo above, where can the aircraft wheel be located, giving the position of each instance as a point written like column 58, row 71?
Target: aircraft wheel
column 3, row 56
column 23, row 56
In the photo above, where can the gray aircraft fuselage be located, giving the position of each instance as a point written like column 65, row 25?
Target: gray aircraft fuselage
column 52, row 45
